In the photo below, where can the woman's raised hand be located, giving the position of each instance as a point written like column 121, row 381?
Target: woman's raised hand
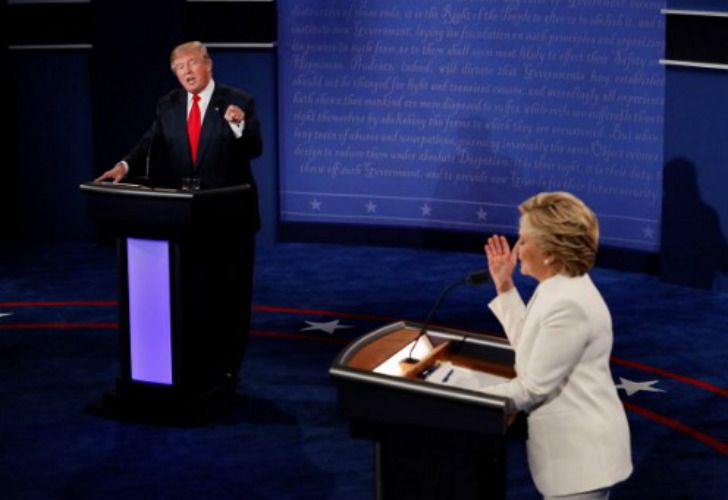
column 501, row 262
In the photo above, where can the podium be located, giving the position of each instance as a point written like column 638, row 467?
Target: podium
column 432, row 440
column 185, row 276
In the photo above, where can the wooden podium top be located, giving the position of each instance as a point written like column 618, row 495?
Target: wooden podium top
column 380, row 348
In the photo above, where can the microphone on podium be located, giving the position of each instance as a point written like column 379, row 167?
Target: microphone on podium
column 145, row 179
column 474, row 278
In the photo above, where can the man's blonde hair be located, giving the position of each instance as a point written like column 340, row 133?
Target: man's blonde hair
column 565, row 228
column 187, row 47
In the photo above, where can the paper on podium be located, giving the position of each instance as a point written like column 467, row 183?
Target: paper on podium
column 392, row 365
column 464, row 378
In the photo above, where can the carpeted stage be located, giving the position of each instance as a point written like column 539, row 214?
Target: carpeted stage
column 285, row 440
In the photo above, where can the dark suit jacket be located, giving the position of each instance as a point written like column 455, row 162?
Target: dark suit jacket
column 222, row 160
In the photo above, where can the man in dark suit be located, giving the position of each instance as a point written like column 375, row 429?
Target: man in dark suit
column 211, row 132
column 229, row 131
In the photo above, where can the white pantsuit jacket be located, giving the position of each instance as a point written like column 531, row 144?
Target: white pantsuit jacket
column 578, row 433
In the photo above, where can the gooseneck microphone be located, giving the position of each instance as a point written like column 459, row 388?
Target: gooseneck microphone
column 148, row 161
column 146, row 178
column 475, row 278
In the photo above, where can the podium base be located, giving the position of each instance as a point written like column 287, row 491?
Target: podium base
column 168, row 409
column 416, row 463
column 405, row 470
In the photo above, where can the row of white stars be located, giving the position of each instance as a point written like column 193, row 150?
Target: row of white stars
column 371, row 208
column 648, row 233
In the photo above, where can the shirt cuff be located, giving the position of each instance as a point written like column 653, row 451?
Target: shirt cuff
column 237, row 128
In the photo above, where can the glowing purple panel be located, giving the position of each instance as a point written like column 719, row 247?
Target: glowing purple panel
column 150, row 330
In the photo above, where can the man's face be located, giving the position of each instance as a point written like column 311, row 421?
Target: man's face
column 193, row 71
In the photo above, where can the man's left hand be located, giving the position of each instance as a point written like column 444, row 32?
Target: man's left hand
column 234, row 114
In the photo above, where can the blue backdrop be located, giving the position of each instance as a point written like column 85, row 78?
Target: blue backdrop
column 448, row 115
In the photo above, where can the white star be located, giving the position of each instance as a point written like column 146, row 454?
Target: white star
column 329, row 327
column 315, row 204
column 371, row 207
column 633, row 387
column 426, row 210
column 2, row 315
column 648, row 233
column 482, row 214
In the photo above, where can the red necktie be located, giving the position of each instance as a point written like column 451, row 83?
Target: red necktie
column 193, row 126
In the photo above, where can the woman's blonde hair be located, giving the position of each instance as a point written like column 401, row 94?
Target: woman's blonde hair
column 564, row 228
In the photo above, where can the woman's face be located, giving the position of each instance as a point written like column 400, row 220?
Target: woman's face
column 534, row 262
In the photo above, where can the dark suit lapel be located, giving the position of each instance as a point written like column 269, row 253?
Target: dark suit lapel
column 213, row 119
column 179, row 119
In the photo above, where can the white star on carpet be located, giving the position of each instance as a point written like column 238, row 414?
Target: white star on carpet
column 632, row 387
column 371, row 207
column 329, row 327
column 482, row 214
column 426, row 210
column 315, row 204
column 648, row 233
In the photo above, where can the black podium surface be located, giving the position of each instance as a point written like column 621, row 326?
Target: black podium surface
column 185, row 273
column 432, row 440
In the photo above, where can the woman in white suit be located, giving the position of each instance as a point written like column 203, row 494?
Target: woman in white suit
column 579, row 444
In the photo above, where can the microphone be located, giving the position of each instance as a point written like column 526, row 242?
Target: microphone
column 148, row 160
column 474, row 278
column 145, row 179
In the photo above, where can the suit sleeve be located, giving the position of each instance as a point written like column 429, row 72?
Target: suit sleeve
column 250, row 144
column 561, row 339
column 137, row 157
column 509, row 309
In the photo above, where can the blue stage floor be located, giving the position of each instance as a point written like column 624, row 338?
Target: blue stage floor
column 58, row 351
